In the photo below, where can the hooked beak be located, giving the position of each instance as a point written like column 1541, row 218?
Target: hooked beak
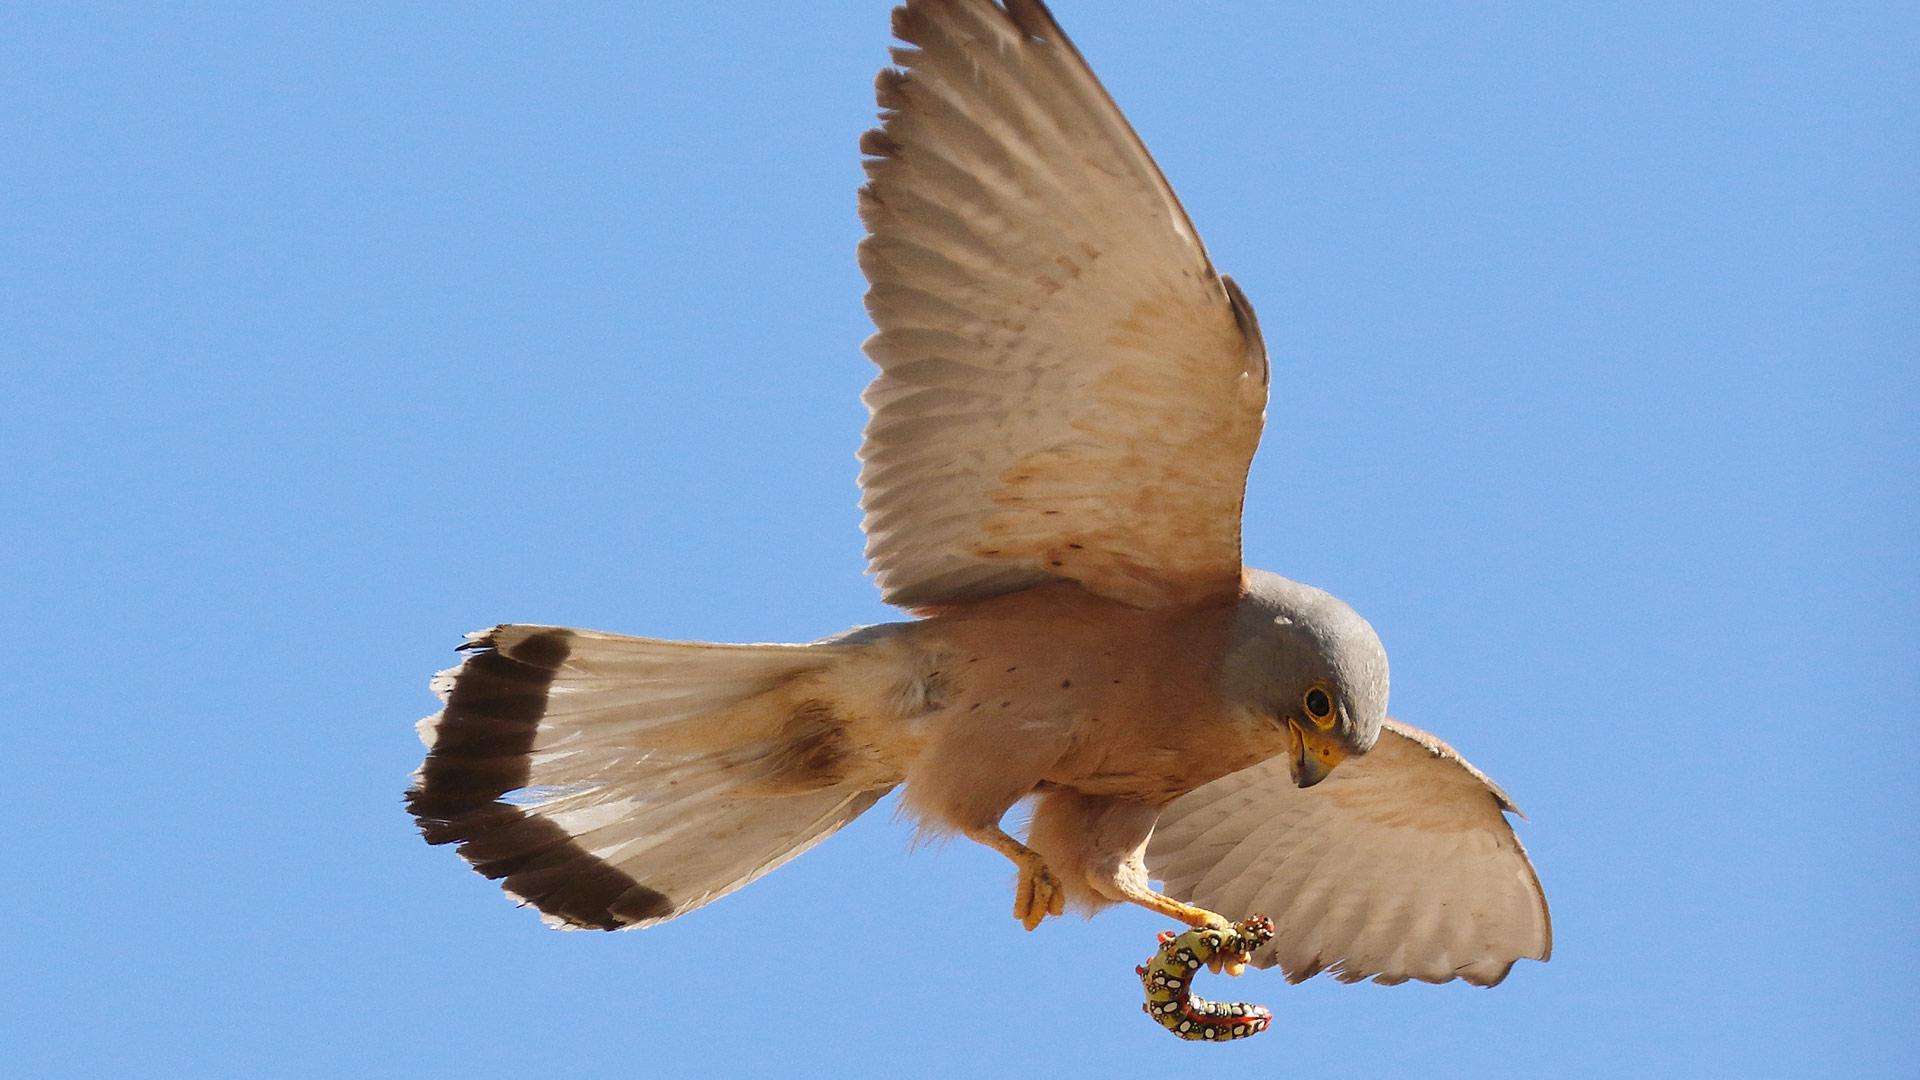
column 1315, row 753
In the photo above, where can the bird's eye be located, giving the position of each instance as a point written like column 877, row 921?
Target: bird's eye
column 1319, row 707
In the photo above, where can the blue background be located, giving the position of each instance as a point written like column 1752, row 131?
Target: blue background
column 333, row 331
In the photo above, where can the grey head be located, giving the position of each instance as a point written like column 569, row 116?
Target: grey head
column 1303, row 659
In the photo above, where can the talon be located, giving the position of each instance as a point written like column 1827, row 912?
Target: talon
column 1229, row 963
column 1038, row 894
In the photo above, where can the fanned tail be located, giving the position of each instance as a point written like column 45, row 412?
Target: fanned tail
column 615, row 782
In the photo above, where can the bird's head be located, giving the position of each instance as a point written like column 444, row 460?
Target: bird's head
column 1307, row 665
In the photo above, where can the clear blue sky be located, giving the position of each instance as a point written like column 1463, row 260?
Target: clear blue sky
column 333, row 331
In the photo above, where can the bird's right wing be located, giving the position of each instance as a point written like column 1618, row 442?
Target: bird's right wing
column 1067, row 389
column 1400, row 865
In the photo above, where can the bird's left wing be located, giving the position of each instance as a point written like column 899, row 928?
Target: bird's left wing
column 1067, row 389
column 1400, row 865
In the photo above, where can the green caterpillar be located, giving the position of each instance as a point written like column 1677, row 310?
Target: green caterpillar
column 1168, row 978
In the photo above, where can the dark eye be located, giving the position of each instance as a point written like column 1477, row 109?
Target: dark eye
column 1319, row 705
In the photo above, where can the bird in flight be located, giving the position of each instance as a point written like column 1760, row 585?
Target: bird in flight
column 1068, row 400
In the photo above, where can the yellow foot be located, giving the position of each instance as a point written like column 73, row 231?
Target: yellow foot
column 1196, row 917
column 1233, row 961
column 1039, row 894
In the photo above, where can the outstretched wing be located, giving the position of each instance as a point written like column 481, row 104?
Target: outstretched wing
column 1400, row 865
column 1067, row 389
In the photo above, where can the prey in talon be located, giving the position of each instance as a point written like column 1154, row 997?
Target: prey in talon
column 1068, row 398
column 1168, row 979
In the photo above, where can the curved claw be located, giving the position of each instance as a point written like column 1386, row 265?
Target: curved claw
column 1229, row 963
column 1168, row 979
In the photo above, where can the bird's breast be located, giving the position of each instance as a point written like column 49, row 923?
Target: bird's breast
column 1134, row 693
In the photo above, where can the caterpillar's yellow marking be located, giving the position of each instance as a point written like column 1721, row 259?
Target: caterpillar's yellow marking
column 1168, row 978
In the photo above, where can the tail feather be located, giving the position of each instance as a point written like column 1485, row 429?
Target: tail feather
column 614, row 781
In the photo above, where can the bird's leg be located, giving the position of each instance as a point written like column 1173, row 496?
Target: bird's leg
column 1198, row 918
column 1038, row 893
